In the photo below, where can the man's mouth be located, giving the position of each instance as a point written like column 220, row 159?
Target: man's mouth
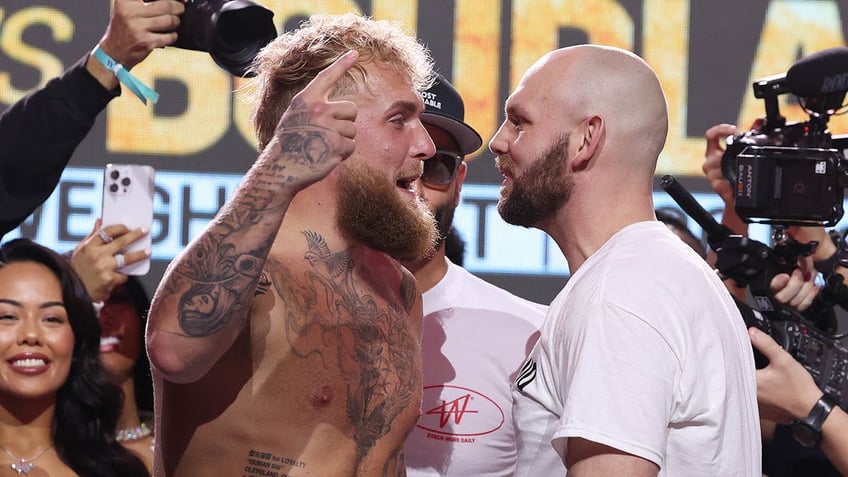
column 407, row 182
column 503, row 165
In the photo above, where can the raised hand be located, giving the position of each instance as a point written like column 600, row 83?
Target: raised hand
column 95, row 259
column 315, row 133
column 137, row 27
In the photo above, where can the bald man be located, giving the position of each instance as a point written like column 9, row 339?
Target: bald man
column 643, row 366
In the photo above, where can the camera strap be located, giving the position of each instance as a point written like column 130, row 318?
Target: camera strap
column 141, row 90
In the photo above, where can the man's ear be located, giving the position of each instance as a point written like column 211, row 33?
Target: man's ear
column 460, row 179
column 589, row 134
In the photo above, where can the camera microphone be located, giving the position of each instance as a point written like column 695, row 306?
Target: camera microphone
column 823, row 73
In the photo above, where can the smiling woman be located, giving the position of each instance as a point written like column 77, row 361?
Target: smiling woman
column 58, row 410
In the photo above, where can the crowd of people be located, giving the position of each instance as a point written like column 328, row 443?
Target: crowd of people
column 322, row 323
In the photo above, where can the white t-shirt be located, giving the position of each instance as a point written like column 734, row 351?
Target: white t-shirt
column 475, row 337
column 643, row 351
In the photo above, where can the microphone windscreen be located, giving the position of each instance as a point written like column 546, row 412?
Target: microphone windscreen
column 820, row 74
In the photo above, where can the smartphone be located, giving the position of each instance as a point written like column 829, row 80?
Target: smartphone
column 128, row 200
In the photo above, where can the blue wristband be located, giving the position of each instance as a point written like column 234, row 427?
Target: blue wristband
column 134, row 84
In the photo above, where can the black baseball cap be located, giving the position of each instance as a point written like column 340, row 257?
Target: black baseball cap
column 443, row 107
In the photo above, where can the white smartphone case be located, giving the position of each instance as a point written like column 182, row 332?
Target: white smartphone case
column 128, row 200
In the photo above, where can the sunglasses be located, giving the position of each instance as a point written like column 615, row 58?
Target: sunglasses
column 440, row 170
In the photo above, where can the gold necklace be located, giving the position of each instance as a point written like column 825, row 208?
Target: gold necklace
column 23, row 466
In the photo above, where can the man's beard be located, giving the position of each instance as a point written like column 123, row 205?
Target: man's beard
column 372, row 211
column 444, row 218
column 541, row 190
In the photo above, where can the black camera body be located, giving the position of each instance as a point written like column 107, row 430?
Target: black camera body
column 793, row 174
column 789, row 185
column 823, row 357
column 807, row 336
column 231, row 31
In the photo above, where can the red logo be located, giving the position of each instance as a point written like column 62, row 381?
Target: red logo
column 458, row 411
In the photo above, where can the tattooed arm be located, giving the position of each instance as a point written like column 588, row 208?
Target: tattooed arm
column 204, row 298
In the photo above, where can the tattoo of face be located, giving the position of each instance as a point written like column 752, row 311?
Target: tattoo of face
column 305, row 147
column 301, row 141
column 366, row 340
column 222, row 288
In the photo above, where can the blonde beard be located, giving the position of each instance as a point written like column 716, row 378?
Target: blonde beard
column 372, row 211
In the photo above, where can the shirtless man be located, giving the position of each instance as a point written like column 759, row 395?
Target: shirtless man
column 285, row 338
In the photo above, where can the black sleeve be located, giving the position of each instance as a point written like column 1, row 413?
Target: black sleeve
column 38, row 135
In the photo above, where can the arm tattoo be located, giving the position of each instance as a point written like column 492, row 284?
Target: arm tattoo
column 225, row 264
column 209, row 305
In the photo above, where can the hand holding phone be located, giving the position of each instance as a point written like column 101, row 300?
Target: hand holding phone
column 128, row 200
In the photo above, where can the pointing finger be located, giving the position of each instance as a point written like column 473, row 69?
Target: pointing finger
column 326, row 79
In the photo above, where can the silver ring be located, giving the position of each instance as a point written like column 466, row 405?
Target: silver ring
column 120, row 260
column 106, row 238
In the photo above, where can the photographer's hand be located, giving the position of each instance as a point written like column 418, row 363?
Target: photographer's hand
column 135, row 29
column 797, row 289
column 786, row 392
column 712, row 163
column 825, row 249
column 712, row 169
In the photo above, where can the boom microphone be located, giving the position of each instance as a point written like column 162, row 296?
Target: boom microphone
column 716, row 232
column 821, row 74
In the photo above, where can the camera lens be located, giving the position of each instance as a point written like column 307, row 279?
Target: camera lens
column 125, row 181
column 232, row 31
column 113, row 188
column 115, row 175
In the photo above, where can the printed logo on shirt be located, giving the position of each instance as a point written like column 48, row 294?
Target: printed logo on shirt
column 459, row 414
column 526, row 375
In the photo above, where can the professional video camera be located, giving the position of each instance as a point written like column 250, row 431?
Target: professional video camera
column 794, row 174
column 232, row 31
column 808, row 337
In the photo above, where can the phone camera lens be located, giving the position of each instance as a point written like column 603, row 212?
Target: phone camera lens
column 125, row 181
column 113, row 188
column 115, row 175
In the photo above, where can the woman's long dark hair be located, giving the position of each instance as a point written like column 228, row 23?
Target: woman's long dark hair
column 87, row 404
column 142, row 379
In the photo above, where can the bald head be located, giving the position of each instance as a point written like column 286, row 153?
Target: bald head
column 612, row 83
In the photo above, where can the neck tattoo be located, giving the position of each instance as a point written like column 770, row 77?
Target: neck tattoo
column 24, row 466
column 133, row 433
